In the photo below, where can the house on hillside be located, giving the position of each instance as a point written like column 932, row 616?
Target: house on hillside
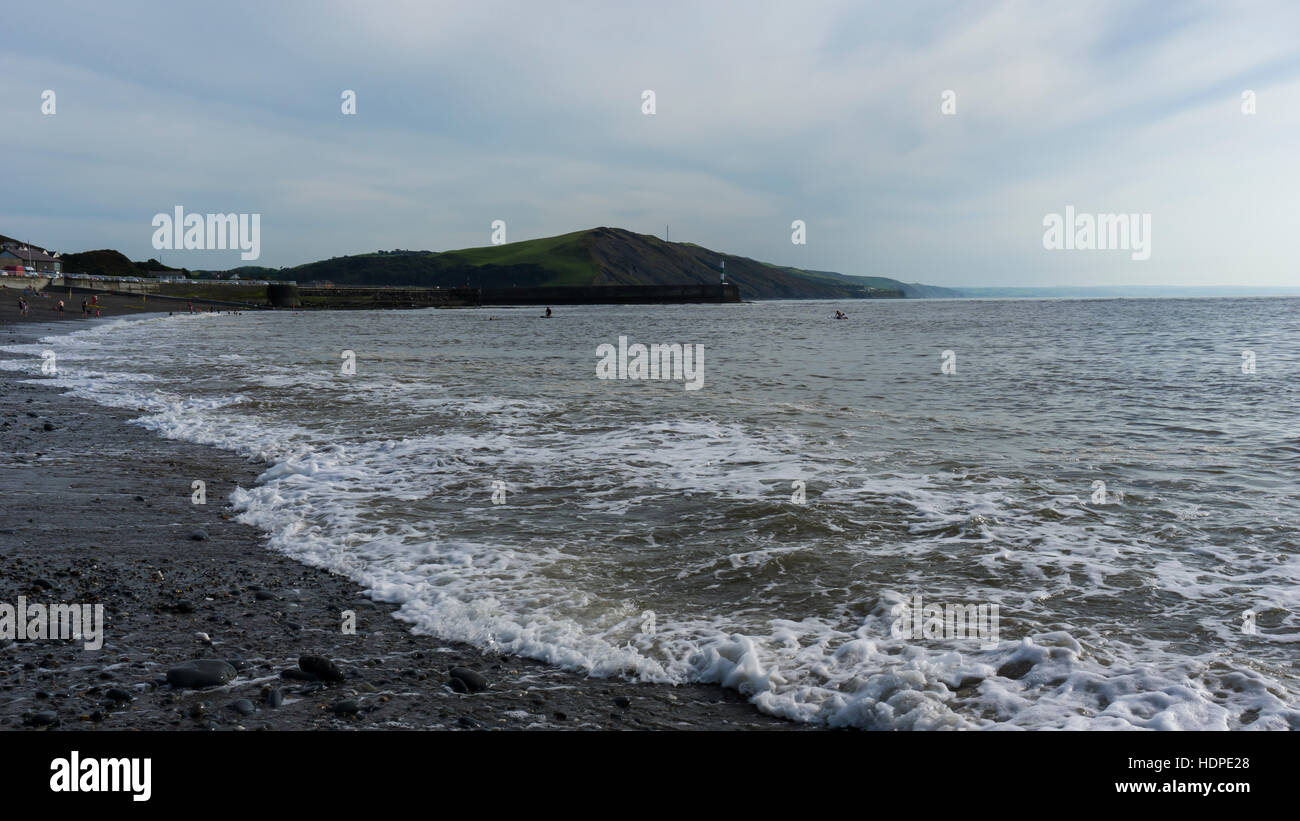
column 30, row 256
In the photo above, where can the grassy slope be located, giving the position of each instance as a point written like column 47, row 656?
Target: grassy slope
column 567, row 257
column 561, row 260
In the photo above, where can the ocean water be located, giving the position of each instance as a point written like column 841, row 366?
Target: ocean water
column 477, row 471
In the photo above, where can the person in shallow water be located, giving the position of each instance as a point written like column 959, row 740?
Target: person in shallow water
column 841, row 315
column 548, row 313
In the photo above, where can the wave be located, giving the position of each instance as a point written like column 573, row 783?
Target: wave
column 670, row 550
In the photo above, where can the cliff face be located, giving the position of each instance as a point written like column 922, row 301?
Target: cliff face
column 624, row 258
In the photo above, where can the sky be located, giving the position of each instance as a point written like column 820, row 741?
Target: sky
column 532, row 113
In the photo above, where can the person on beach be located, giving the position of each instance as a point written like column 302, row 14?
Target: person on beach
column 84, row 307
column 59, row 307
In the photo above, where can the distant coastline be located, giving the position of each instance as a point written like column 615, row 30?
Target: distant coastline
column 1103, row 291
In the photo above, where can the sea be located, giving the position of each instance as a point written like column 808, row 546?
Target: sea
column 934, row 514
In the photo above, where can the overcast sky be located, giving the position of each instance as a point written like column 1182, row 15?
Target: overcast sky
column 531, row 112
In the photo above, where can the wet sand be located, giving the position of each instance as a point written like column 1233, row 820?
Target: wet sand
column 95, row 510
column 42, row 308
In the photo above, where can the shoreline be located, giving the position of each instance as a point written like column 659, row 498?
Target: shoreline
column 98, row 511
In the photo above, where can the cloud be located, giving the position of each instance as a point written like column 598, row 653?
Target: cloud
column 767, row 112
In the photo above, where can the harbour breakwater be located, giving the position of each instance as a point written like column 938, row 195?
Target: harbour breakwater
column 287, row 295
column 361, row 297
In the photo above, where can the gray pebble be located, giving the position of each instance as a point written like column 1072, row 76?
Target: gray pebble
column 320, row 667
column 201, row 673
column 473, row 681
column 43, row 718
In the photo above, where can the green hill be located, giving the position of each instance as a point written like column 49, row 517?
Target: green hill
column 107, row 262
column 598, row 256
